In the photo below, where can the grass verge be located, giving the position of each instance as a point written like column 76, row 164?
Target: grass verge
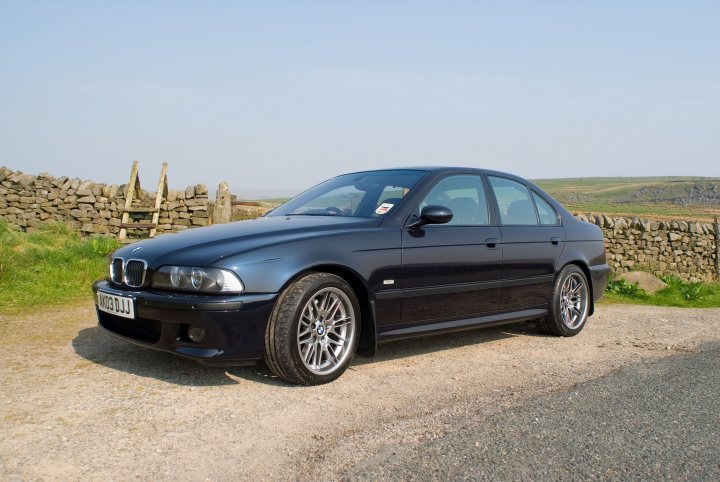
column 55, row 266
column 678, row 293
column 50, row 267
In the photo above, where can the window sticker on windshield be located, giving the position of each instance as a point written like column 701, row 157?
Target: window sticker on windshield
column 383, row 208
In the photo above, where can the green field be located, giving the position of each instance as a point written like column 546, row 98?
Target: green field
column 695, row 198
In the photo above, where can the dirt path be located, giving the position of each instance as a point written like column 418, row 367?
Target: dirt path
column 76, row 403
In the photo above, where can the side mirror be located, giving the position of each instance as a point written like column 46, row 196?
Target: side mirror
column 432, row 215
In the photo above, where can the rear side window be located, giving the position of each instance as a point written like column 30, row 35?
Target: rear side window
column 546, row 213
column 513, row 198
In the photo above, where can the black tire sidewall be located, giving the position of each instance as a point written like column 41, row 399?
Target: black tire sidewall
column 319, row 282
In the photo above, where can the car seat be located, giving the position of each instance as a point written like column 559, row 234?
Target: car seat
column 465, row 211
column 520, row 211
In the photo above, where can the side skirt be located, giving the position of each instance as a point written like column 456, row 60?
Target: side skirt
column 395, row 333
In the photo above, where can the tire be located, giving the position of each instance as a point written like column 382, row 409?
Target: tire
column 568, row 313
column 313, row 331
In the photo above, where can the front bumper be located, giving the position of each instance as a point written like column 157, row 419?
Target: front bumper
column 235, row 324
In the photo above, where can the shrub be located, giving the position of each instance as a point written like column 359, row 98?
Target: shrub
column 619, row 286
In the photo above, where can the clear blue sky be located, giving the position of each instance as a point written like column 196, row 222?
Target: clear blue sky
column 280, row 95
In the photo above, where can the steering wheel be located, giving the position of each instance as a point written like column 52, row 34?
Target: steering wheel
column 334, row 210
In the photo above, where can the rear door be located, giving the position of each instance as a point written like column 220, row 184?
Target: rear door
column 452, row 270
column 533, row 240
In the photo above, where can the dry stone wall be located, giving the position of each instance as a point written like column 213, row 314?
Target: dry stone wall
column 93, row 208
column 680, row 248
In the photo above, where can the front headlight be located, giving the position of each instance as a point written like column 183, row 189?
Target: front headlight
column 201, row 280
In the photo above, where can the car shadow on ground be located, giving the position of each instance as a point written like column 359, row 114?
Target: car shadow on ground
column 446, row 341
column 99, row 347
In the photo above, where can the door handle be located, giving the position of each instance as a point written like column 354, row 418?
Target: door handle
column 491, row 243
column 555, row 241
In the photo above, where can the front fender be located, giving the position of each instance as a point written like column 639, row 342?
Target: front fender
column 373, row 255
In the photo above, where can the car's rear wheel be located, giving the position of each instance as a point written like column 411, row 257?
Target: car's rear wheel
column 312, row 333
column 570, row 303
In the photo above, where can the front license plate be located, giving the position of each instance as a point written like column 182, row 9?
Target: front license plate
column 116, row 305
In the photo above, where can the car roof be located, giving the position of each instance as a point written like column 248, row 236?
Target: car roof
column 441, row 169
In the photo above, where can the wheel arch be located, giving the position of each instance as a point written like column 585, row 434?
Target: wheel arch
column 368, row 343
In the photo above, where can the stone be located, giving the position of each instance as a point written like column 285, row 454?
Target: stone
column 201, row 189
column 222, row 211
column 85, row 189
column 25, row 180
column 189, row 192
column 646, row 281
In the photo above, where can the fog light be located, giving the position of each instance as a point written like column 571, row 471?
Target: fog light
column 196, row 334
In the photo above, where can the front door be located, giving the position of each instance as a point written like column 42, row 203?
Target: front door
column 452, row 270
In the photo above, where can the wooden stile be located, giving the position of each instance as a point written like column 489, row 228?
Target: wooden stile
column 133, row 194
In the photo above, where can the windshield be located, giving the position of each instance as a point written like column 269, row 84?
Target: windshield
column 363, row 194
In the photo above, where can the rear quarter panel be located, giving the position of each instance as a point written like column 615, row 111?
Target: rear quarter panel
column 586, row 244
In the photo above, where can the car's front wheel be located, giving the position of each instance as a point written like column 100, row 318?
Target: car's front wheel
column 312, row 333
column 570, row 303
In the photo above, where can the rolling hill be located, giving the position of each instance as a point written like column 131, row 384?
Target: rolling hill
column 657, row 197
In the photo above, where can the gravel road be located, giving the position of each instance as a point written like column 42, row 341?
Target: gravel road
column 635, row 395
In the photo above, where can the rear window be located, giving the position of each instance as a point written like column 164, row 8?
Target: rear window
column 513, row 198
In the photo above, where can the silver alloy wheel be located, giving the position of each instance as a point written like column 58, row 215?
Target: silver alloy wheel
column 573, row 301
column 326, row 331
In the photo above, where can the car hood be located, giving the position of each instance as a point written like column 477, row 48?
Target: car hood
column 207, row 246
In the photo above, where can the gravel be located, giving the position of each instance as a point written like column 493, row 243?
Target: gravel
column 77, row 403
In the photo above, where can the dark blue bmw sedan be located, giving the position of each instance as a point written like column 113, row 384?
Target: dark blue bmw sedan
column 358, row 260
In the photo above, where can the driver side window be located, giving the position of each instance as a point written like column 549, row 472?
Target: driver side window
column 464, row 195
